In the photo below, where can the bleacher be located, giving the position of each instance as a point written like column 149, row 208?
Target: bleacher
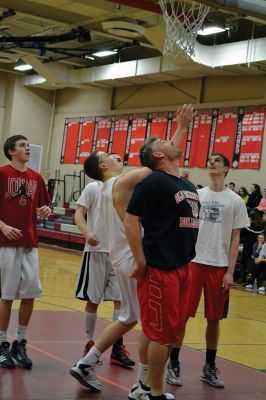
column 59, row 229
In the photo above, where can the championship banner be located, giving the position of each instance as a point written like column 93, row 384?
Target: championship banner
column 70, row 142
column 102, row 133
column 138, row 136
column 86, row 138
column 253, row 123
column 158, row 125
column 225, row 133
column 196, row 155
column 119, row 135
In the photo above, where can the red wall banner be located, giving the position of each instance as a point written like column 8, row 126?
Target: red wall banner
column 236, row 133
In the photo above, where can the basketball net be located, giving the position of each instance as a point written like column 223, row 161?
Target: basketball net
column 183, row 21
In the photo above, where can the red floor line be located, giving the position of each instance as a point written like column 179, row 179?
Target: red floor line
column 63, row 361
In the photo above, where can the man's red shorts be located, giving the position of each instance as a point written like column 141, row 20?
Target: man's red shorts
column 216, row 301
column 163, row 298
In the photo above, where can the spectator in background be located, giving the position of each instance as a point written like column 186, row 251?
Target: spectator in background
column 262, row 203
column 244, row 194
column 232, row 186
column 259, row 270
column 248, row 237
column 254, row 197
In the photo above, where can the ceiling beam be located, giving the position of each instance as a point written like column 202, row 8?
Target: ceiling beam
column 141, row 4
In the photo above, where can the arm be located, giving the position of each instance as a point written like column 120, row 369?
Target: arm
column 43, row 211
column 80, row 221
column 184, row 117
column 124, row 186
column 9, row 232
column 133, row 232
column 228, row 277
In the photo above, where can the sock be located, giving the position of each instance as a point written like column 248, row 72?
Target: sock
column 161, row 397
column 3, row 336
column 20, row 332
column 174, row 356
column 118, row 343
column 144, row 387
column 142, row 371
column 90, row 322
column 210, row 356
column 92, row 357
column 116, row 314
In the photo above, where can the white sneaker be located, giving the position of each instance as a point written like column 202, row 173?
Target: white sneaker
column 168, row 396
column 249, row 286
column 85, row 374
column 261, row 289
column 173, row 374
column 138, row 393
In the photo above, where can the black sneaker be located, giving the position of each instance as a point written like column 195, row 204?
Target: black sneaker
column 120, row 356
column 210, row 372
column 19, row 353
column 5, row 356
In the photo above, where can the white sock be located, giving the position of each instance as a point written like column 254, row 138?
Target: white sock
column 116, row 314
column 90, row 322
column 20, row 332
column 142, row 371
column 92, row 357
column 3, row 336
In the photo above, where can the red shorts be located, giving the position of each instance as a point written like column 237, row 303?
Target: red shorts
column 215, row 300
column 163, row 298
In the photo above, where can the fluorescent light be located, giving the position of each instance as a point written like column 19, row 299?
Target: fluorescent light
column 23, row 67
column 210, row 30
column 87, row 57
column 104, row 53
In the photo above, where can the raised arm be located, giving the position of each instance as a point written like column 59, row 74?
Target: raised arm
column 184, row 116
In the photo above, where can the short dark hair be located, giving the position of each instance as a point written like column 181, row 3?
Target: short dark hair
column 10, row 144
column 92, row 167
column 232, row 183
column 225, row 160
column 146, row 153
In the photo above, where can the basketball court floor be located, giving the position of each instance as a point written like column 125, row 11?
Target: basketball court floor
column 56, row 339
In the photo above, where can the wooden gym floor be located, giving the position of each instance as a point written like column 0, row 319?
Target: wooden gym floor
column 56, row 339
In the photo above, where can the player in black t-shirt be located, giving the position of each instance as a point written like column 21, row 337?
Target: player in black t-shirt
column 167, row 207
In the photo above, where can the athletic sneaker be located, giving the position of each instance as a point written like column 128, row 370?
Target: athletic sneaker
column 19, row 353
column 85, row 374
column 173, row 374
column 249, row 286
column 261, row 289
column 139, row 393
column 87, row 347
column 120, row 356
column 167, row 396
column 210, row 372
column 5, row 356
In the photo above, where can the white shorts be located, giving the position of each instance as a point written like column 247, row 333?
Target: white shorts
column 97, row 278
column 129, row 309
column 19, row 268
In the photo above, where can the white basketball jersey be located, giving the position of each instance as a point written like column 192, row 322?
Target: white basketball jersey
column 118, row 246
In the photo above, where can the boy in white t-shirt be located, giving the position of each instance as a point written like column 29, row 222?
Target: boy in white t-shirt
column 223, row 213
column 97, row 277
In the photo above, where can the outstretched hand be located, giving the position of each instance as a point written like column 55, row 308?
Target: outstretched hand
column 185, row 115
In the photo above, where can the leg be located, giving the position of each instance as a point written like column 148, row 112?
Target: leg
column 173, row 370
column 5, row 313
column 212, row 334
column 25, row 311
column 157, row 352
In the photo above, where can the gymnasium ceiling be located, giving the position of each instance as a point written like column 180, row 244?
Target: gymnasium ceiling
column 58, row 38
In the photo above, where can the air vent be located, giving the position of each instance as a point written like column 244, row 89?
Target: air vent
column 124, row 29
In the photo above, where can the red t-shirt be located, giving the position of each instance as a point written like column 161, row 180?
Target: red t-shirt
column 20, row 194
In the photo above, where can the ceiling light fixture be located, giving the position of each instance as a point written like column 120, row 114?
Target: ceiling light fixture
column 22, row 66
column 104, row 53
column 212, row 28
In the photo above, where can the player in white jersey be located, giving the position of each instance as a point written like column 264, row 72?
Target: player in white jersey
column 116, row 194
column 223, row 213
column 97, row 277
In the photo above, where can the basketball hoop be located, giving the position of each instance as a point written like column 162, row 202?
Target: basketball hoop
column 183, row 21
